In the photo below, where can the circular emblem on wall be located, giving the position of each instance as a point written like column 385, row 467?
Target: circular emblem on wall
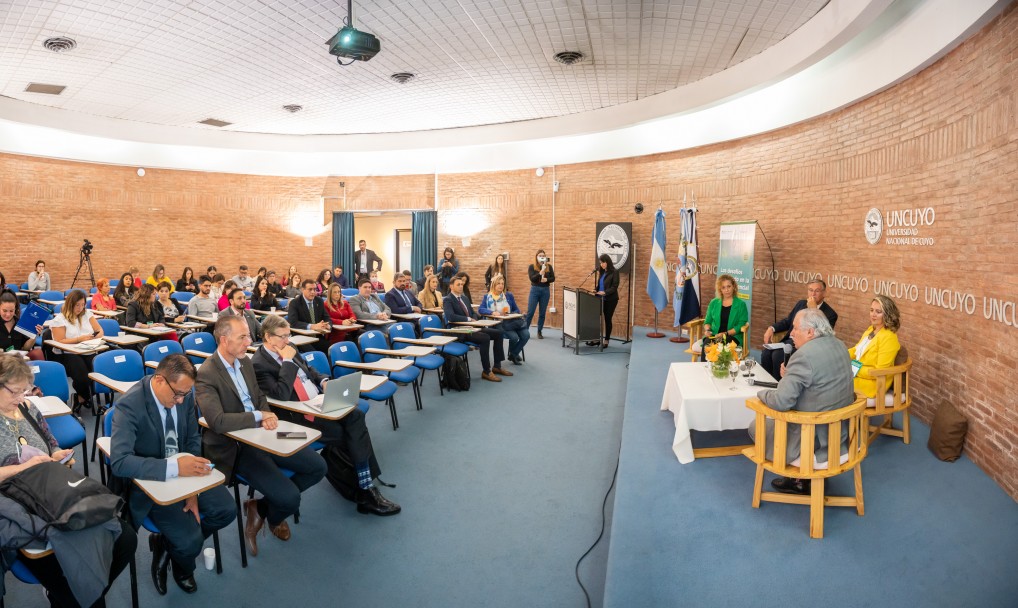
column 612, row 240
column 874, row 226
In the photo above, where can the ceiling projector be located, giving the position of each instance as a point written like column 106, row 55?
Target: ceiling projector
column 354, row 44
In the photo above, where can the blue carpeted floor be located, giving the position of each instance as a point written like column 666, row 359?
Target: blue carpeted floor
column 934, row 533
column 501, row 489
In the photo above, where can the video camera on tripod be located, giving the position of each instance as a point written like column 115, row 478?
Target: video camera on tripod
column 86, row 249
column 85, row 262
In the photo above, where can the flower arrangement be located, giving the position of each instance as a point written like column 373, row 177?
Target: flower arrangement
column 721, row 355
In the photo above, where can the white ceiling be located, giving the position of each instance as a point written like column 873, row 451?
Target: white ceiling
column 175, row 63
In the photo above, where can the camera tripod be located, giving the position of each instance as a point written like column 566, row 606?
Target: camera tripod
column 84, row 262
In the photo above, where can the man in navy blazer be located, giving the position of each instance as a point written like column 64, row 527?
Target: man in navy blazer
column 400, row 299
column 458, row 308
column 771, row 359
column 299, row 314
column 153, row 422
column 365, row 261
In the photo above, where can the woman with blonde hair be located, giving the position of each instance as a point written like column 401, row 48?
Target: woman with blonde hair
column 340, row 313
column 726, row 313
column 878, row 345
column 431, row 296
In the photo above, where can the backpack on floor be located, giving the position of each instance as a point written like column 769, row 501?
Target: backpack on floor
column 340, row 472
column 455, row 374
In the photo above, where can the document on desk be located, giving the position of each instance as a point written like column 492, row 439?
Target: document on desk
column 85, row 346
column 315, row 402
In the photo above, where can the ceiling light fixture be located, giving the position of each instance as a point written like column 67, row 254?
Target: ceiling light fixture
column 45, row 89
column 214, row 122
column 59, row 44
column 352, row 43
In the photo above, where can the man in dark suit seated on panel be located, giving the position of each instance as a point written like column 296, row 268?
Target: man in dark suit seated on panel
column 229, row 398
column 816, row 291
column 817, row 378
column 457, row 308
column 307, row 311
column 400, row 299
column 365, row 261
column 152, row 423
column 283, row 374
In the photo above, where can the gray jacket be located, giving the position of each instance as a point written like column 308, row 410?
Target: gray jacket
column 359, row 304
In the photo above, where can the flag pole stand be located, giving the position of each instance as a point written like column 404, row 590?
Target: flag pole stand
column 679, row 339
column 655, row 333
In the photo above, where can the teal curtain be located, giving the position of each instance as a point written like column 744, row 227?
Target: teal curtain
column 424, row 241
column 342, row 242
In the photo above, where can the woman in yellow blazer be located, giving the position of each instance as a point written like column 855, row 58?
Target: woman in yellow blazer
column 879, row 344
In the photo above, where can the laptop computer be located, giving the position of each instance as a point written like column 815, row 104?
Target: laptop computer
column 340, row 393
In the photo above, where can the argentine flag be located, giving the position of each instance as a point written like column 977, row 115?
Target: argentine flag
column 657, row 278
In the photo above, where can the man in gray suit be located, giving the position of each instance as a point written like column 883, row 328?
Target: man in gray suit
column 817, row 378
column 153, row 423
column 366, row 305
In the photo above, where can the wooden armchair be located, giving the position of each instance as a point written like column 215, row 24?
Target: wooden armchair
column 896, row 399
column 806, row 467
column 696, row 334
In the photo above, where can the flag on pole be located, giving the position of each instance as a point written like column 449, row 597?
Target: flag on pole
column 657, row 278
column 687, row 274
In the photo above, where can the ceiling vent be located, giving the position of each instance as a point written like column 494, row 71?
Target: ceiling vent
column 293, row 108
column 568, row 57
column 46, row 89
column 402, row 77
column 212, row 122
column 59, row 44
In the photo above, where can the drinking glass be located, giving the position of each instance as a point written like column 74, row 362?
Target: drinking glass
column 733, row 371
column 750, row 364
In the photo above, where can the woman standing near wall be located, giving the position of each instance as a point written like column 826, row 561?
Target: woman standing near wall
column 542, row 275
column 447, row 268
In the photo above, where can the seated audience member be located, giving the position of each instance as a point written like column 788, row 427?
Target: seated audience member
column 26, row 442
column 338, row 277
column 144, row 311
column 307, row 311
column 102, row 299
column 125, row 290
column 186, row 281
column 261, row 297
column 399, row 299
column 458, row 308
column 815, row 380
column 340, row 314
column 143, row 450
column 136, row 273
column 412, row 285
column 466, row 285
column 10, row 338
column 275, row 288
column 261, row 272
column 243, row 280
column 76, row 324
column 202, row 304
column 878, row 345
column 322, row 282
column 496, row 267
column 171, row 312
column 367, row 305
column 430, row 295
column 212, row 271
column 230, row 399
column 376, row 285
column 287, row 279
column 283, row 374
column 224, row 298
column 726, row 313
column 158, row 276
column 498, row 303
column 218, row 286
column 294, row 289
column 771, row 359
column 421, row 282
column 38, row 279
column 238, row 308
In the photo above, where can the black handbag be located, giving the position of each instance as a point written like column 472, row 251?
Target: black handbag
column 63, row 498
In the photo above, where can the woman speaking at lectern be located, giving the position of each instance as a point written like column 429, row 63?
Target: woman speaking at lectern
column 607, row 287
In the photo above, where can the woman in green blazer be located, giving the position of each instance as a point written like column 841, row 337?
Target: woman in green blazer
column 726, row 313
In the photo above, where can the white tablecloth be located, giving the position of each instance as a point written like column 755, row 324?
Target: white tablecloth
column 701, row 402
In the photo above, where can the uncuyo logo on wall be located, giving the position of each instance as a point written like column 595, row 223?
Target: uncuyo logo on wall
column 874, row 226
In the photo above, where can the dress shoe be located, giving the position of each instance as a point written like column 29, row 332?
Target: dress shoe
column 490, row 377
column 516, row 359
column 593, row 342
column 372, row 501
column 185, row 581
column 501, row 372
column 790, row 485
column 281, row 531
column 160, row 562
column 540, row 336
column 253, row 526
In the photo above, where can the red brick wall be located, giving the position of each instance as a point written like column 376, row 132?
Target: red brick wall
column 946, row 138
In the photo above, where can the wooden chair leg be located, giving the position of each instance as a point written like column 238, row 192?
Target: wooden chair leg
column 758, row 486
column 816, row 509
column 859, row 507
column 907, row 434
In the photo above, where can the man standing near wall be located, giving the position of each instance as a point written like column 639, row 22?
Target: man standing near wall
column 364, row 261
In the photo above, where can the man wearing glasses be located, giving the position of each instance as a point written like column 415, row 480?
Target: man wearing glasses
column 155, row 437
column 307, row 311
column 283, row 374
column 230, row 400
